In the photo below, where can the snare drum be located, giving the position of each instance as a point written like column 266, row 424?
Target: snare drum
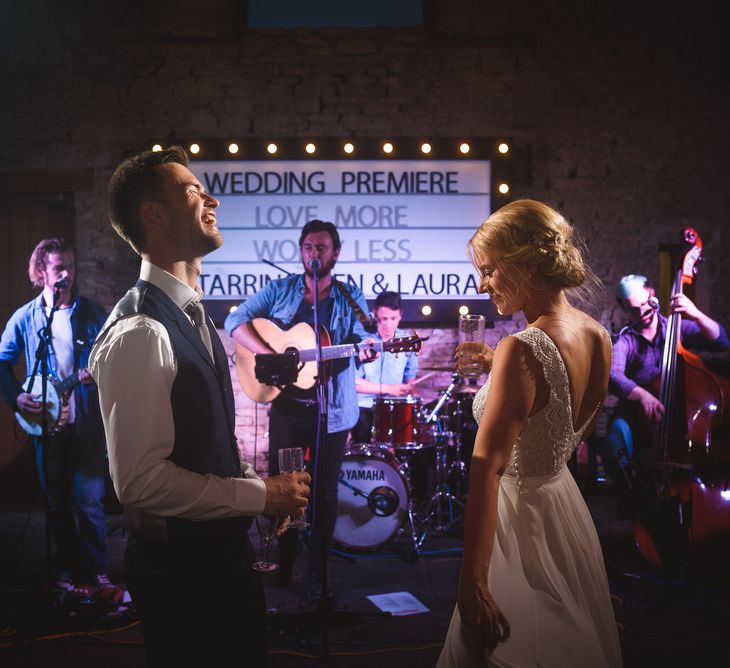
column 372, row 499
column 396, row 422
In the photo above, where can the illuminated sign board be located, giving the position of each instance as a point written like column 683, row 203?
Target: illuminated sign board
column 404, row 224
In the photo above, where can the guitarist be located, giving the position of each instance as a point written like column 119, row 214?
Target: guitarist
column 637, row 360
column 293, row 417
column 76, row 451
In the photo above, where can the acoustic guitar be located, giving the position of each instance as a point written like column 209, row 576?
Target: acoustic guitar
column 301, row 338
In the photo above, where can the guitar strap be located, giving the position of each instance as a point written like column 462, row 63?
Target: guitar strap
column 82, row 331
column 368, row 323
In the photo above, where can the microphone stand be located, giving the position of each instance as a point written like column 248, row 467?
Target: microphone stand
column 275, row 266
column 323, row 604
column 41, row 359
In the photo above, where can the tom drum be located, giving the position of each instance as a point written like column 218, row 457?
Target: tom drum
column 397, row 423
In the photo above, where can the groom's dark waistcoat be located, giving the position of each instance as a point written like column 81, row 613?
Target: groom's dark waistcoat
column 202, row 404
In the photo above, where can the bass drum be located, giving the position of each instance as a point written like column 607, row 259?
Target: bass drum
column 372, row 498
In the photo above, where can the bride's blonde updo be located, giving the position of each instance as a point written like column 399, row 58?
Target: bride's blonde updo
column 530, row 232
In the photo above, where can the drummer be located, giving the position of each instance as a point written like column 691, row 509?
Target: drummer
column 390, row 374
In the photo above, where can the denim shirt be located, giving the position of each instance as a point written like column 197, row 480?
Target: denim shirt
column 279, row 301
column 21, row 335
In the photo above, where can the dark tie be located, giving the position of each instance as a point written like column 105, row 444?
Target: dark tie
column 197, row 314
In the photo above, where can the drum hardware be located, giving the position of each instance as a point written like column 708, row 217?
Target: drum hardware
column 444, row 507
column 444, row 398
column 382, row 501
column 414, row 521
column 379, row 497
column 457, row 470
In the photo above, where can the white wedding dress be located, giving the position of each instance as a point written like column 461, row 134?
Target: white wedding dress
column 546, row 573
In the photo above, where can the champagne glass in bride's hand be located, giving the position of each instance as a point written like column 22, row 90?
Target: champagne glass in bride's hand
column 267, row 530
column 291, row 460
column 471, row 342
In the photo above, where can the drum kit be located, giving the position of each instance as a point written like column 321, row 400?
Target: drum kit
column 411, row 478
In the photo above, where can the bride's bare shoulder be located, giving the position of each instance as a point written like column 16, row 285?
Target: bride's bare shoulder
column 576, row 326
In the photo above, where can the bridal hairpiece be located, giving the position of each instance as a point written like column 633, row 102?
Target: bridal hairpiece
column 541, row 242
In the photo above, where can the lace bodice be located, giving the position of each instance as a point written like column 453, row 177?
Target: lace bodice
column 547, row 440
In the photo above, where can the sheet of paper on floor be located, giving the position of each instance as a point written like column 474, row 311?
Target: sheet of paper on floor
column 398, row 603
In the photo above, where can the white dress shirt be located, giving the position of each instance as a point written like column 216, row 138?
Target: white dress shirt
column 134, row 366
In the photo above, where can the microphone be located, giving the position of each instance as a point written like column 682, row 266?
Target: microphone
column 383, row 501
column 653, row 304
column 62, row 283
column 314, row 264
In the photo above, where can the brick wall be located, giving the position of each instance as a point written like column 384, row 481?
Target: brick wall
column 624, row 109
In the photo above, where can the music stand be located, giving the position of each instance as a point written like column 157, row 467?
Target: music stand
column 278, row 369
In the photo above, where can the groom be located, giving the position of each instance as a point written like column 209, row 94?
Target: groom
column 166, row 399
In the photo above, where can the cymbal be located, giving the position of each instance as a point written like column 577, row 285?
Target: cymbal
column 427, row 394
column 459, row 389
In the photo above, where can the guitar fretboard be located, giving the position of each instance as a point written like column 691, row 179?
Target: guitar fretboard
column 337, row 352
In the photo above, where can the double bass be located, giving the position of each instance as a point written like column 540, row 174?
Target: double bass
column 682, row 512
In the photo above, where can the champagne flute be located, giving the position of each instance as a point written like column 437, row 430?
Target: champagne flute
column 291, row 460
column 266, row 527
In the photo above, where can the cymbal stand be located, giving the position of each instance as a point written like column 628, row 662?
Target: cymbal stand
column 443, row 505
column 457, row 469
column 412, row 519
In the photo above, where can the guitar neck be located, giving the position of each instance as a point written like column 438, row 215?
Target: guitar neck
column 68, row 383
column 337, row 352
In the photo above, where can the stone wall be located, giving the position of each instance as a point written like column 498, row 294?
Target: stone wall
column 624, row 110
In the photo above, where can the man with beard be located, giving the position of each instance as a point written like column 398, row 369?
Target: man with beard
column 167, row 403
column 72, row 476
column 294, row 413
column 637, row 361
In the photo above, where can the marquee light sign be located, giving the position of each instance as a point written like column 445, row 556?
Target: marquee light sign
column 404, row 220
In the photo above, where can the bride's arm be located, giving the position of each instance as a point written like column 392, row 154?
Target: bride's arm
column 510, row 401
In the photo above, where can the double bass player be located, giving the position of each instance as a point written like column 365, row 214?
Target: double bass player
column 637, row 361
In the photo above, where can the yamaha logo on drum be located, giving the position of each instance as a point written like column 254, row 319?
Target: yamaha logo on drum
column 366, row 474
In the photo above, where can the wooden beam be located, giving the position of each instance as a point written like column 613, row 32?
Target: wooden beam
column 50, row 180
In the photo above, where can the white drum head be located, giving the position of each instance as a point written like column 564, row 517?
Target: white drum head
column 372, row 500
column 33, row 424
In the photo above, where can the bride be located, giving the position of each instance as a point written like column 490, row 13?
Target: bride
column 532, row 587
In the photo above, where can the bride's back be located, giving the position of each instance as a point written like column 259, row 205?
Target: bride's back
column 585, row 349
